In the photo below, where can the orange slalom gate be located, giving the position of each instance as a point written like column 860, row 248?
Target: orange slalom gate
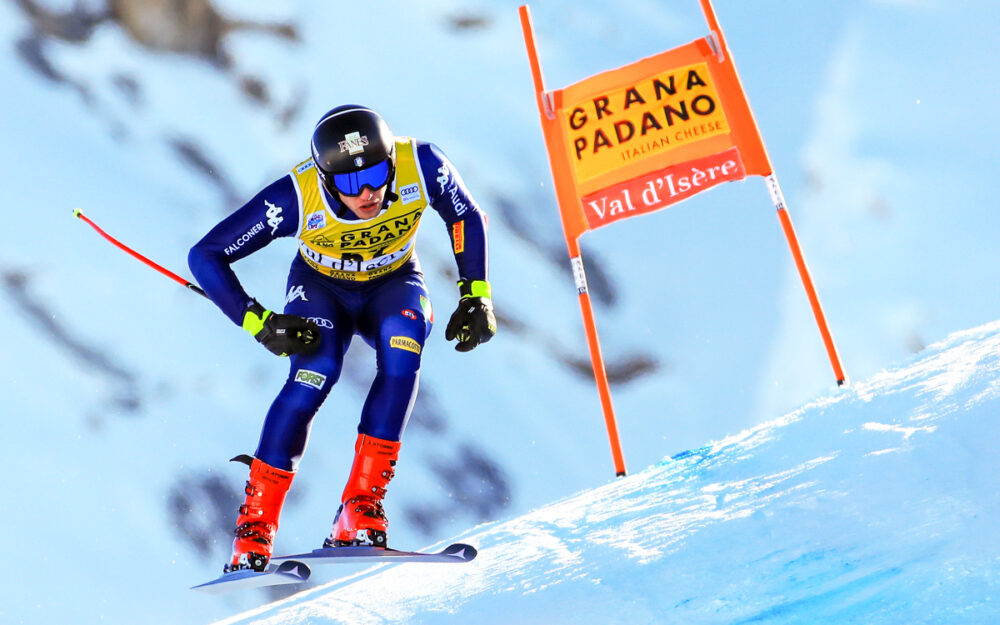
column 711, row 137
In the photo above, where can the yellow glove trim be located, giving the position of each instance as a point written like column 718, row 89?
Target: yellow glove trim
column 476, row 288
column 254, row 324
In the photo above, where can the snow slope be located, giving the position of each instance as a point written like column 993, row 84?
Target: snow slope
column 874, row 506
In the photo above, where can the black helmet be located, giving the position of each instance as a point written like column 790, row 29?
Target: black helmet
column 353, row 148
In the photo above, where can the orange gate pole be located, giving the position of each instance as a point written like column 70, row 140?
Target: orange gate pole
column 597, row 359
column 567, row 199
column 786, row 221
column 800, row 263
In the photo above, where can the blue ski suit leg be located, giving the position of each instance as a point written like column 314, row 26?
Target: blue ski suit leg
column 286, row 428
column 390, row 316
column 396, row 322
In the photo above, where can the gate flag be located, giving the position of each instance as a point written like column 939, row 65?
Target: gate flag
column 650, row 134
column 639, row 138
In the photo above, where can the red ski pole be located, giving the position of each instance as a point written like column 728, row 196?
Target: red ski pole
column 173, row 276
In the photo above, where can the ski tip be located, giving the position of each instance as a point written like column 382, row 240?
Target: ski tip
column 214, row 586
column 294, row 568
column 77, row 212
column 461, row 551
column 288, row 572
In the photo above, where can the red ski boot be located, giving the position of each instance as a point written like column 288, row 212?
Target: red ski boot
column 361, row 519
column 258, row 519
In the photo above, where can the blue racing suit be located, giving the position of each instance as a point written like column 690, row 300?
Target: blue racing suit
column 350, row 277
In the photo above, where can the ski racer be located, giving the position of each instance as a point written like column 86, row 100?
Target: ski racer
column 354, row 208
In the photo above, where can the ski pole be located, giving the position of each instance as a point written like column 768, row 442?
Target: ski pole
column 173, row 276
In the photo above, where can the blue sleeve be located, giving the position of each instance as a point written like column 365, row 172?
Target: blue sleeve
column 271, row 214
column 451, row 199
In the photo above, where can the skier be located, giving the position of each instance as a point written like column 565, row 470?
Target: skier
column 354, row 207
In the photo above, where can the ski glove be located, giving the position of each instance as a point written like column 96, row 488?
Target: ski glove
column 281, row 334
column 473, row 322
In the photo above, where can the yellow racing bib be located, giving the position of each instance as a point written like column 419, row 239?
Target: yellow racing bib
column 359, row 250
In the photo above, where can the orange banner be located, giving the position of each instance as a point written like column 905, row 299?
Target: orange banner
column 678, row 117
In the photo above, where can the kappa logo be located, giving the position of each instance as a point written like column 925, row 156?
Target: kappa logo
column 316, row 221
column 310, row 378
column 354, row 143
column 409, row 193
column 446, row 180
column 444, row 175
column 405, row 342
column 274, row 217
column 294, row 293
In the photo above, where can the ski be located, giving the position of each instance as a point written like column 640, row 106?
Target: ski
column 294, row 569
column 288, row 572
column 457, row 552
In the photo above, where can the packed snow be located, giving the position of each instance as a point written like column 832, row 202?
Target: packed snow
column 877, row 505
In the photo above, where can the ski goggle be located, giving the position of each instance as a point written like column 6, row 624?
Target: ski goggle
column 352, row 183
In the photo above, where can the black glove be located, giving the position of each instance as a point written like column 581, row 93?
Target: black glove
column 473, row 322
column 281, row 334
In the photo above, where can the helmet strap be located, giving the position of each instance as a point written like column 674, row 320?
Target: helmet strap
column 390, row 195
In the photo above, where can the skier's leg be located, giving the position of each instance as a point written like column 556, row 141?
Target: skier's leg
column 311, row 377
column 396, row 324
column 258, row 519
column 286, row 427
column 360, row 518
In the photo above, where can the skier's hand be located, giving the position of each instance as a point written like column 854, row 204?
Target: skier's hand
column 281, row 334
column 473, row 322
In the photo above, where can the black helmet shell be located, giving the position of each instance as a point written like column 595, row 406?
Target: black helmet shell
column 349, row 138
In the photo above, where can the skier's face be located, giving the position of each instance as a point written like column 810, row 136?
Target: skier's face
column 366, row 204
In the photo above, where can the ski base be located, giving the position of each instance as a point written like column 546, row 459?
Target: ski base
column 288, row 572
column 455, row 553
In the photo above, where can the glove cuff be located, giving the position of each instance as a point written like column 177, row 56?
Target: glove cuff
column 254, row 318
column 475, row 288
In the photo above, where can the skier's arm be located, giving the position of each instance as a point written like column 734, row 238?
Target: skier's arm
column 271, row 214
column 466, row 222
column 473, row 322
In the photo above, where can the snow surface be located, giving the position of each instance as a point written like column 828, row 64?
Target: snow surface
column 877, row 506
column 119, row 390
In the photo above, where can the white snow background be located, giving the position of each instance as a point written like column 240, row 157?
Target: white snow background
column 121, row 390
